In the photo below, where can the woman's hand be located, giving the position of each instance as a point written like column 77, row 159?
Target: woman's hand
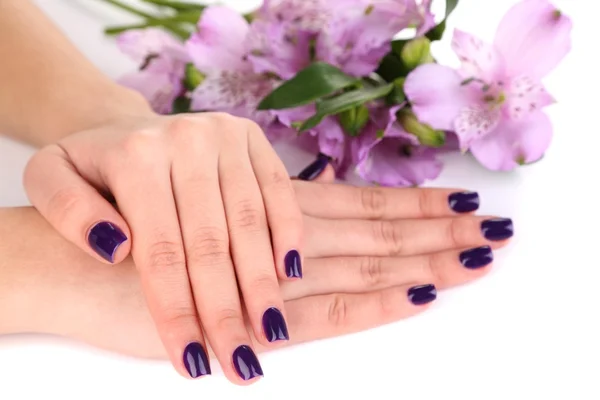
column 369, row 247
column 204, row 204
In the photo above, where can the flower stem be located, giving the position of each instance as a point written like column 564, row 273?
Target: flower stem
column 177, row 5
column 132, row 10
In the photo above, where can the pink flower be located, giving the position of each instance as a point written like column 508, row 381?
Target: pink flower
column 421, row 15
column 388, row 155
column 494, row 101
column 162, row 59
column 230, row 85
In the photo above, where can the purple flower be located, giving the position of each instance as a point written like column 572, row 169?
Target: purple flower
column 389, row 156
column 230, row 85
column 421, row 16
column 494, row 101
column 360, row 32
column 162, row 59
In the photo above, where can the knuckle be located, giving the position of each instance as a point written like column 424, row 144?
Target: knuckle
column 165, row 255
column 228, row 319
column 391, row 235
column 386, row 306
column 209, row 246
column 66, row 202
column 178, row 316
column 264, row 284
column 435, row 269
column 139, row 146
column 184, row 128
column 280, row 181
column 426, row 202
column 371, row 271
column 337, row 313
column 454, row 232
column 247, row 217
column 373, row 201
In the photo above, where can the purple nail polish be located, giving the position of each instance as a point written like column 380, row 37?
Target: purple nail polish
column 464, row 202
column 274, row 325
column 315, row 169
column 477, row 258
column 246, row 364
column 105, row 238
column 195, row 360
column 293, row 264
column 497, row 229
column 423, row 294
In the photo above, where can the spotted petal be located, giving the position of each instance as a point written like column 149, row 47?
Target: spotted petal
column 218, row 44
column 514, row 142
column 475, row 122
column 526, row 96
column 478, row 59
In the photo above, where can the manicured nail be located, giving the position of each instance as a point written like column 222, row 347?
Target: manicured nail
column 246, row 364
column 105, row 238
column 315, row 169
column 497, row 229
column 477, row 258
column 423, row 294
column 293, row 264
column 274, row 325
column 195, row 360
column 464, row 202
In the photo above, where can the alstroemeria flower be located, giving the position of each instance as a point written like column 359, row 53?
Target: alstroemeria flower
column 389, row 156
column 421, row 16
column 493, row 101
column 230, row 85
column 162, row 59
column 360, row 32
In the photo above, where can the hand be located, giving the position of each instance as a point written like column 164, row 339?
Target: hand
column 421, row 243
column 202, row 197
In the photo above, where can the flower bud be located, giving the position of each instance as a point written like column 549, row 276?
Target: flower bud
column 416, row 52
column 426, row 134
column 193, row 77
column 354, row 120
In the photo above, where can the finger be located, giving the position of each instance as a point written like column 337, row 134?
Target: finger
column 330, row 238
column 345, row 201
column 325, row 316
column 250, row 240
column 314, row 170
column 367, row 274
column 75, row 208
column 204, row 229
column 149, row 207
column 283, row 212
column 327, row 176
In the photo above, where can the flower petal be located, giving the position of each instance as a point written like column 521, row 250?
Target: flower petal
column 478, row 59
column 142, row 43
column 533, row 37
column 159, row 89
column 437, row 96
column 526, row 96
column 475, row 122
column 514, row 142
column 219, row 42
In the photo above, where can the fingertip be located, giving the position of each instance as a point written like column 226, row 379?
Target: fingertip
column 315, row 169
column 108, row 241
column 327, row 176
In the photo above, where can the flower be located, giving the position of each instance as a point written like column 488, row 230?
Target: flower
column 421, row 16
column 162, row 59
column 217, row 50
column 494, row 101
column 389, row 156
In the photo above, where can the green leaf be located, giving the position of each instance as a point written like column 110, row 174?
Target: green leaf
column 438, row 32
column 345, row 102
column 311, row 84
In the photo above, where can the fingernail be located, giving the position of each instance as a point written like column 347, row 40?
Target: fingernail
column 293, row 264
column 246, row 364
column 477, row 258
column 464, row 202
column 274, row 325
column 420, row 295
column 105, row 238
column 195, row 360
column 315, row 169
column 497, row 229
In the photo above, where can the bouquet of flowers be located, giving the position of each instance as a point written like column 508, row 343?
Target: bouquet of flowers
column 330, row 76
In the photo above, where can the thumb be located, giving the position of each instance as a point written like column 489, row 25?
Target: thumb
column 74, row 207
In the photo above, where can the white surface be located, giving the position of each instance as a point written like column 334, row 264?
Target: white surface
column 527, row 331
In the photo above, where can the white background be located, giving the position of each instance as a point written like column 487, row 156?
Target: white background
column 527, row 331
